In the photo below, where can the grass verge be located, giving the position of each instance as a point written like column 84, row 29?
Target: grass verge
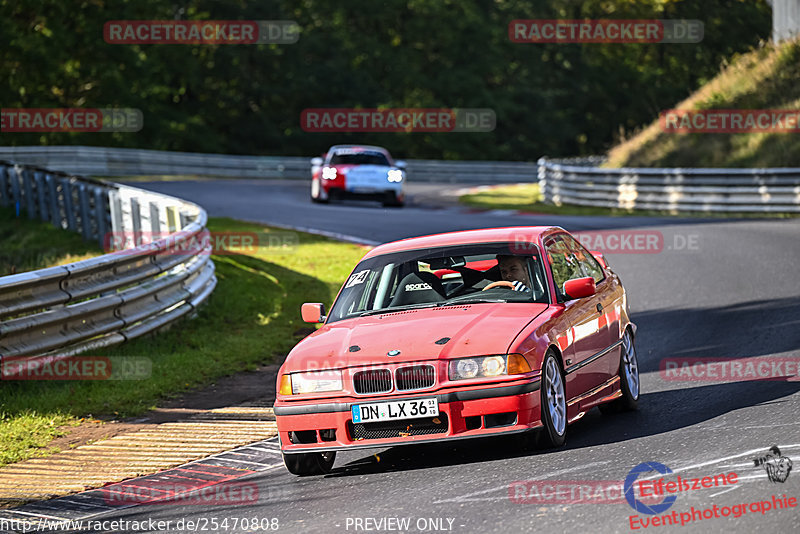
column 251, row 318
column 33, row 244
column 765, row 78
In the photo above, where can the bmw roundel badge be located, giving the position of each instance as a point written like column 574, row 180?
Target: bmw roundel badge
column 394, row 352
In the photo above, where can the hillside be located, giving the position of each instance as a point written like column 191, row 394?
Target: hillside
column 766, row 78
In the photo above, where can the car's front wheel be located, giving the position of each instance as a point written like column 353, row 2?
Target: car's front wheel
column 309, row 463
column 317, row 193
column 553, row 404
column 628, row 378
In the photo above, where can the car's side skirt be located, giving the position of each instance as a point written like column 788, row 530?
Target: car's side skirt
column 608, row 383
column 590, row 359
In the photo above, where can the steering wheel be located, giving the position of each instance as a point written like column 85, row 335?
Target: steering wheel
column 503, row 283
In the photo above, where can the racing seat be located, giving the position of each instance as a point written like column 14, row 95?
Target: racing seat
column 418, row 288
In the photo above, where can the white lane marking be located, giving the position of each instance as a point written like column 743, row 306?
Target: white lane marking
column 81, row 503
column 240, row 462
column 274, row 451
column 726, row 490
column 765, row 426
column 505, row 487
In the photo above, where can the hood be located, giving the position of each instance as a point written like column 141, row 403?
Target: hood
column 474, row 330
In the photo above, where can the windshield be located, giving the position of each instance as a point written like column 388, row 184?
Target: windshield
column 359, row 158
column 464, row 274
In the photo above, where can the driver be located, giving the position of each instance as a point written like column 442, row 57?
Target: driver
column 514, row 269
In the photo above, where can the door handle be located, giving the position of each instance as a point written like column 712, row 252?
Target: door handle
column 599, row 308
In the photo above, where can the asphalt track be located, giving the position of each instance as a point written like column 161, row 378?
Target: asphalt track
column 716, row 289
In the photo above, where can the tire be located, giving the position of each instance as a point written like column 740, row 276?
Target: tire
column 316, row 193
column 309, row 463
column 553, row 404
column 391, row 201
column 628, row 379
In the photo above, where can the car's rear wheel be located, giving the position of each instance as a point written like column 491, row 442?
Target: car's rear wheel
column 628, row 379
column 391, row 201
column 309, row 463
column 553, row 404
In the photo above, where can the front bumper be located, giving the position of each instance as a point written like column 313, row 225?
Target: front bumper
column 463, row 413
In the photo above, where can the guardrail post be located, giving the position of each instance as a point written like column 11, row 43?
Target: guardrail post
column 542, row 176
column 27, row 183
column 66, row 189
column 136, row 218
column 155, row 222
column 172, row 224
column 41, row 193
column 52, row 193
column 100, row 203
column 86, row 223
column 16, row 194
column 4, row 189
column 115, row 206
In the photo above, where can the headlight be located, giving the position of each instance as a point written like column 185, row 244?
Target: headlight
column 315, row 382
column 488, row 366
column 394, row 175
column 329, row 173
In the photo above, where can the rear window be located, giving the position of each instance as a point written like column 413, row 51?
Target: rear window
column 359, row 158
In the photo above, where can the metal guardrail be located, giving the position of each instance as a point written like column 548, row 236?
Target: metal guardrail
column 568, row 181
column 581, row 181
column 99, row 161
column 56, row 312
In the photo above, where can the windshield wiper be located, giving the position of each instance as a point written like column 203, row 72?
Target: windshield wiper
column 397, row 309
column 473, row 300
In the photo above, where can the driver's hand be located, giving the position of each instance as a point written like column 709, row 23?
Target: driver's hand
column 519, row 286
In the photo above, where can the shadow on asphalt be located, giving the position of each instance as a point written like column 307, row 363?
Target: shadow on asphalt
column 741, row 330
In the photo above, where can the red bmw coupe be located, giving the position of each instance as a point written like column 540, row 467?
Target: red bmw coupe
column 454, row 336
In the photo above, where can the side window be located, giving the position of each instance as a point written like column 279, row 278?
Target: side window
column 563, row 263
column 589, row 265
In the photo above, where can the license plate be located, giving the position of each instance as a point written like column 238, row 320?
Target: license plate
column 388, row 411
column 362, row 190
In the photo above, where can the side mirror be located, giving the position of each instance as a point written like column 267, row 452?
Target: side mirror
column 600, row 258
column 400, row 164
column 316, row 162
column 313, row 312
column 579, row 288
